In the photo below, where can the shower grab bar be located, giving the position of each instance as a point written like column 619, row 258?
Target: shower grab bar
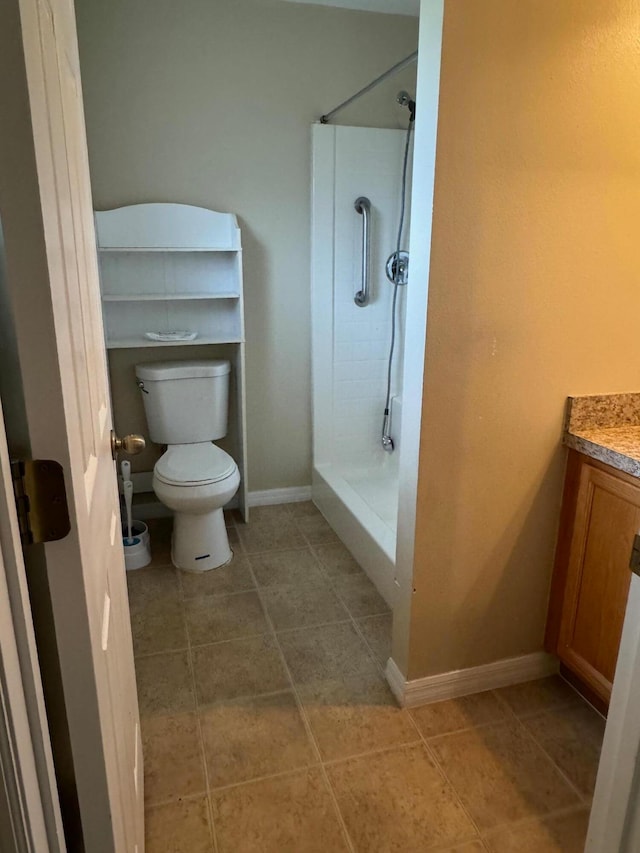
column 363, row 206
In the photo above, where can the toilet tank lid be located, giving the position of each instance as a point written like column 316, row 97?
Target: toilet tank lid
column 192, row 369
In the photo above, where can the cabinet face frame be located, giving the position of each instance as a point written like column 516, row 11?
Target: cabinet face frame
column 584, row 477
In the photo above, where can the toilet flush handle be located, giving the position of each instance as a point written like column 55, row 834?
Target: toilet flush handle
column 131, row 444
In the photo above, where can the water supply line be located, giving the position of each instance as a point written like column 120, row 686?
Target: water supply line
column 399, row 271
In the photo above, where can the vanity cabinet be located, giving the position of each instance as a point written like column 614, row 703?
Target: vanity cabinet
column 600, row 517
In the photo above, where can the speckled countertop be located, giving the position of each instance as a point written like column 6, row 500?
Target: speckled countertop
column 606, row 428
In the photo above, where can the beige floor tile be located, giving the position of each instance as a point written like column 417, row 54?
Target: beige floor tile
column 563, row 834
column 158, row 627
column 236, row 668
column 298, row 567
column 331, row 652
column 501, row 775
column 273, row 514
column 224, row 617
column 572, row 736
column 304, row 509
column 165, row 685
column 234, row 577
column 182, row 827
column 173, row 766
column 152, row 585
column 288, row 814
column 377, row 633
column 258, row 537
column 398, row 801
column 356, row 715
column 533, row 697
column 360, row 596
column 294, row 606
column 316, row 530
column 337, row 561
column 248, row 738
column 442, row 718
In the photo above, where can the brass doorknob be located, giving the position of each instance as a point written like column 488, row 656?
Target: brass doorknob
column 131, row 444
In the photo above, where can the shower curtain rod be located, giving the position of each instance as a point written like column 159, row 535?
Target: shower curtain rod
column 393, row 70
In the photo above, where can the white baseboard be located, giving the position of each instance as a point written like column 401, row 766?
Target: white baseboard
column 463, row 682
column 292, row 495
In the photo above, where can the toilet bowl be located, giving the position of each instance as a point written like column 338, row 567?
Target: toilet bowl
column 186, row 404
column 196, row 481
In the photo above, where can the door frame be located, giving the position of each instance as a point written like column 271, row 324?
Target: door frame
column 30, row 817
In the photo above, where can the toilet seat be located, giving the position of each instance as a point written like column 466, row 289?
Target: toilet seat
column 194, row 465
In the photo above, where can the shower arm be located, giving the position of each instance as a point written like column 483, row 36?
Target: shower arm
column 363, row 206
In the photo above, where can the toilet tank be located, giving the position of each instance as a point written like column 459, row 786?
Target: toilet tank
column 185, row 401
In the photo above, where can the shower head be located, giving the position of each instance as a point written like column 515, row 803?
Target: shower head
column 405, row 100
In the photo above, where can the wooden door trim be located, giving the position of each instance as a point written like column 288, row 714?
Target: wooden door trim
column 575, row 461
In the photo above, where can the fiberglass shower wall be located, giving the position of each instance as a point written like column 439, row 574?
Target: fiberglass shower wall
column 351, row 344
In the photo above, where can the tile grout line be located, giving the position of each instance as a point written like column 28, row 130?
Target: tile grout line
column 521, row 822
column 350, row 618
column 369, row 753
column 198, row 713
column 203, row 756
column 267, row 777
column 582, row 798
column 322, row 765
column 308, row 729
column 353, row 619
column 514, row 718
column 445, row 776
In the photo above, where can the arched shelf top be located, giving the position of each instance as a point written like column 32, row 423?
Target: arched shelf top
column 158, row 227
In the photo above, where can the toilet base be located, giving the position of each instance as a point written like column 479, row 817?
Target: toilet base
column 199, row 542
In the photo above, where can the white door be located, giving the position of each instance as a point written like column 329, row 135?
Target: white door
column 52, row 275
column 615, row 815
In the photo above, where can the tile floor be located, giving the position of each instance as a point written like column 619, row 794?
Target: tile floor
column 268, row 726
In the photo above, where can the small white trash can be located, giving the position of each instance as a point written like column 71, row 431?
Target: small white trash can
column 138, row 553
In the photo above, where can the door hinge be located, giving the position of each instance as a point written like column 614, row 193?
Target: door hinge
column 41, row 500
column 634, row 562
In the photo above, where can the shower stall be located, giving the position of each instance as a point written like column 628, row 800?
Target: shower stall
column 357, row 207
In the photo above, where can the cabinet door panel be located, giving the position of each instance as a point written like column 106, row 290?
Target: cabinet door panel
column 598, row 577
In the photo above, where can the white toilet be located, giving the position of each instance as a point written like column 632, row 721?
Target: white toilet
column 186, row 404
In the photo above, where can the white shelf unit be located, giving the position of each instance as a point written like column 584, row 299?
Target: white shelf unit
column 167, row 267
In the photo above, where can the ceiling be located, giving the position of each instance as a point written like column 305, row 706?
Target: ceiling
column 391, row 7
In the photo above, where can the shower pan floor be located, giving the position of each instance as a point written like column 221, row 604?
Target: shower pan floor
column 378, row 487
